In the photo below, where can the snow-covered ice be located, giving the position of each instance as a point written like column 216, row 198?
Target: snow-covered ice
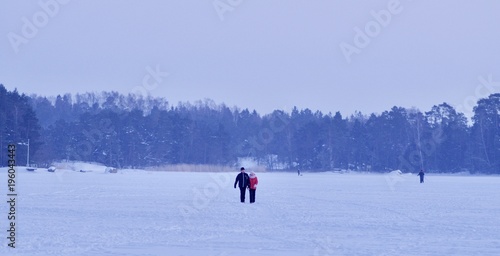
column 176, row 213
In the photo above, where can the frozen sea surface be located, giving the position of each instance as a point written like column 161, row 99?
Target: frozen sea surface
column 173, row 213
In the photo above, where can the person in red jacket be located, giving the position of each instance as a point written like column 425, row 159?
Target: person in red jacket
column 253, row 186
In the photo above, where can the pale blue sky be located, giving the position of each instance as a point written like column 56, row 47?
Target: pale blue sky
column 262, row 54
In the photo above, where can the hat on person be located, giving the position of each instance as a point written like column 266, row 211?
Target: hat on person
column 242, row 168
column 252, row 174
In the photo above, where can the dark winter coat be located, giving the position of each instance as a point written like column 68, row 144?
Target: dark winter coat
column 242, row 180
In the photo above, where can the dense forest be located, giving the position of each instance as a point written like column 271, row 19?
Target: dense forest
column 134, row 131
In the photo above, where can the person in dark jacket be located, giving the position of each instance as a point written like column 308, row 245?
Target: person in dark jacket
column 421, row 174
column 243, row 182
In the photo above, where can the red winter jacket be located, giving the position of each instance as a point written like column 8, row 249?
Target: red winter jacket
column 253, row 181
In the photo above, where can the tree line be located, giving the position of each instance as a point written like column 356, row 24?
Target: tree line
column 134, row 131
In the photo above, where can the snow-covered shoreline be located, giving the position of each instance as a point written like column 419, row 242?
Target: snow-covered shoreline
column 138, row 212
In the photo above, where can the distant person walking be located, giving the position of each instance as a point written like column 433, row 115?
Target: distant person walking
column 421, row 174
column 254, row 181
column 298, row 172
column 243, row 182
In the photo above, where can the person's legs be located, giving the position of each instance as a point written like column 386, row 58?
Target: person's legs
column 242, row 194
column 252, row 195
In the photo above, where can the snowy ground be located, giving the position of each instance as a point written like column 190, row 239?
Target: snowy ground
column 166, row 213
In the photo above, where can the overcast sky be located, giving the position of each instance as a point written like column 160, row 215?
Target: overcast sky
column 263, row 54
